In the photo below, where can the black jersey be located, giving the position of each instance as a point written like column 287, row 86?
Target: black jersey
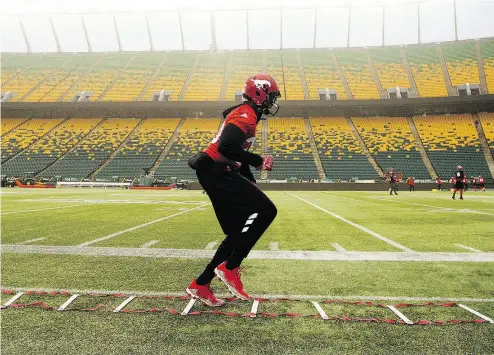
column 459, row 175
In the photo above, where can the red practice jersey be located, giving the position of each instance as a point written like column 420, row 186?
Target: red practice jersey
column 411, row 182
column 481, row 180
column 245, row 118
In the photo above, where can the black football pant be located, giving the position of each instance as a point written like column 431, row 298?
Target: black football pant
column 243, row 211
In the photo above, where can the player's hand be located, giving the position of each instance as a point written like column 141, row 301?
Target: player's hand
column 267, row 163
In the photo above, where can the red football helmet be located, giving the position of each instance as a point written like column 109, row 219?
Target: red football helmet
column 459, row 168
column 262, row 90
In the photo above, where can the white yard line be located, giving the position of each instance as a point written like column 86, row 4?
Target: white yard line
column 31, row 241
column 289, row 296
column 211, row 245
column 41, row 209
column 274, row 246
column 323, row 255
column 137, row 227
column 338, row 248
column 469, row 248
column 100, row 202
column 358, row 226
column 149, row 244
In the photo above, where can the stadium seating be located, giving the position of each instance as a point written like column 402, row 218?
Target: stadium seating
column 320, row 73
column 244, row 64
column 288, row 142
column 100, row 76
column 426, row 69
column 275, row 69
column 172, row 75
column 56, row 92
column 341, row 156
column 50, row 147
column 487, row 50
column 26, row 134
column 452, row 140
column 9, row 124
column 487, row 121
column 461, row 61
column 195, row 135
column 389, row 67
column 355, row 67
column 134, row 78
column 293, row 79
column 207, row 78
column 91, row 152
column 142, row 149
column 390, row 141
column 30, row 77
column 15, row 64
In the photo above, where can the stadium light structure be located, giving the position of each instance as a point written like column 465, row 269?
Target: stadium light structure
column 282, row 8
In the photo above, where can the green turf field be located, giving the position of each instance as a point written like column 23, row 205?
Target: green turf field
column 63, row 238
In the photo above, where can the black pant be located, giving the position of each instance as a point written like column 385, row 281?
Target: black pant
column 243, row 211
column 412, row 188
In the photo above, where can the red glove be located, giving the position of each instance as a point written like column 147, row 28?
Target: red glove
column 267, row 163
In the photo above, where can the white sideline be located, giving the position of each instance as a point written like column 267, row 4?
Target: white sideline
column 253, row 310
column 13, row 299
column 41, row 209
column 469, row 248
column 149, row 244
column 123, row 304
column 358, row 226
column 69, row 301
column 401, row 315
column 338, row 248
column 31, row 241
column 139, row 226
column 476, row 313
column 289, row 296
column 188, row 307
column 320, row 310
column 211, row 245
column 274, row 246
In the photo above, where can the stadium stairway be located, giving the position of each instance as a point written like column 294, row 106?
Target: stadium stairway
column 336, row 64
column 302, row 76
column 151, row 79
column 31, row 60
column 115, row 79
column 228, row 71
column 413, row 90
column 78, row 80
column 315, row 153
column 480, row 64
column 423, row 152
column 11, row 124
column 115, row 152
column 447, row 79
column 165, row 151
column 96, row 127
column 189, row 78
column 484, row 144
column 364, row 148
column 382, row 93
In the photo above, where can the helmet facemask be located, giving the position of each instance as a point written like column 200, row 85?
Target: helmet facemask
column 270, row 106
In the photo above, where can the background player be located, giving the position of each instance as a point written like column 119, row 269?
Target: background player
column 459, row 176
column 439, row 183
column 243, row 211
column 411, row 183
column 481, row 183
column 392, row 182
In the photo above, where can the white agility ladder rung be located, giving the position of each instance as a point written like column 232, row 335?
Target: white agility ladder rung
column 123, row 304
column 188, row 307
column 253, row 310
column 69, row 301
column 12, row 300
column 401, row 315
column 320, row 310
column 476, row 313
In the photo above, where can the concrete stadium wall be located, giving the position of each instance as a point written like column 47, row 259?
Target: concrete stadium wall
column 348, row 108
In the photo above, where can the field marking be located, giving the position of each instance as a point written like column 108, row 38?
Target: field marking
column 149, row 244
column 68, row 302
column 211, row 245
column 253, row 310
column 447, row 209
column 31, row 241
column 476, row 313
column 289, row 296
column 188, row 307
column 13, row 299
column 41, row 209
column 399, row 314
column 137, row 227
column 469, row 248
column 320, row 310
column 108, row 202
column 308, row 255
column 274, row 246
column 358, row 226
column 338, row 248
column 123, row 304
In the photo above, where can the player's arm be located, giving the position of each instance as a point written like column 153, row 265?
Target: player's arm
column 230, row 146
column 247, row 173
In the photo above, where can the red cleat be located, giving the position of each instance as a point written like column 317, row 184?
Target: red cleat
column 231, row 278
column 204, row 294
